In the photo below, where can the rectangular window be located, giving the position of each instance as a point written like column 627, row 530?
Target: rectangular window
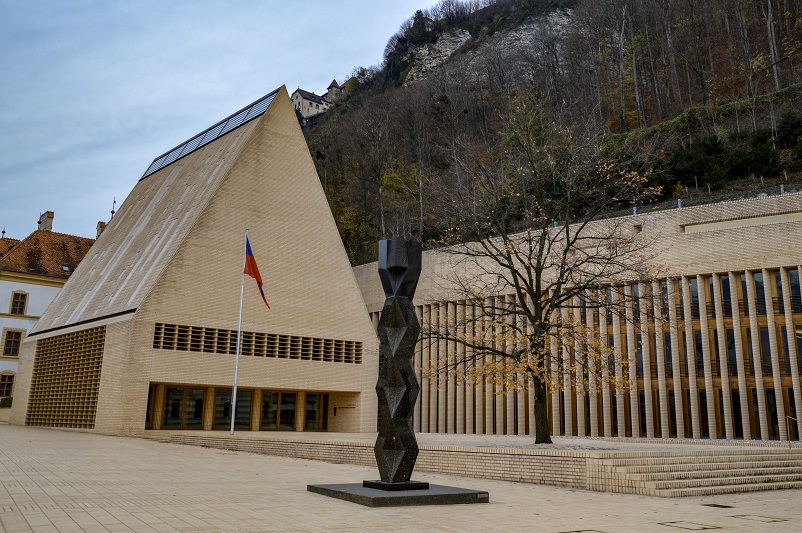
column 778, row 284
column 711, row 303
column 669, row 355
column 286, row 420
column 700, row 356
column 786, row 358
column 11, row 344
column 760, row 294
column 726, row 297
column 765, row 351
column 313, row 412
column 750, row 364
column 796, row 297
column 732, row 357
column 193, row 415
column 222, row 409
column 269, row 410
column 639, row 347
column 18, row 301
column 6, row 385
column 173, row 400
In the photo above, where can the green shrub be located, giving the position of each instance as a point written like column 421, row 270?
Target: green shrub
column 699, row 163
column 6, row 402
column 761, row 159
column 789, row 131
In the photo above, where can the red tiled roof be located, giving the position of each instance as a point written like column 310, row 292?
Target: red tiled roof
column 44, row 253
column 7, row 244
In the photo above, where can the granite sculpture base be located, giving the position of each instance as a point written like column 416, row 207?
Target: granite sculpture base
column 372, row 497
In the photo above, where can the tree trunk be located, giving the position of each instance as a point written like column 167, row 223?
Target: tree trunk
column 541, row 410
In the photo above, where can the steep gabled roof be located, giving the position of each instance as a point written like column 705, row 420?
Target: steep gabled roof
column 132, row 252
column 333, row 84
column 46, row 253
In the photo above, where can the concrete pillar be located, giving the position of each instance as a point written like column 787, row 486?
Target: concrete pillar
column 500, row 386
column 520, row 389
column 461, row 384
column 579, row 361
column 632, row 356
column 676, row 365
column 792, row 355
column 757, row 363
column 707, row 356
column 607, row 402
column 426, row 369
column 451, row 398
column 619, row 364
column 441, row 386
column 470, row 384
column 555, row 383
column 418, row 362
column 776, row 369
column 660, row 357
column 256, row 409
column 646, row 346
column 300, row 410
column 690, row 357
column 723, row 355
column 743, row 390
column 593, row 365
column 566, row 377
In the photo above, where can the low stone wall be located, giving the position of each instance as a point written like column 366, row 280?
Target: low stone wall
column 565, row 469
column 5, row 414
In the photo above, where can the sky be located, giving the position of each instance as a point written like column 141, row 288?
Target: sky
column 92, row 91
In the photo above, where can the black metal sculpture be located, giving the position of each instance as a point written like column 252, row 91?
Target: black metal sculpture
column 396, row 449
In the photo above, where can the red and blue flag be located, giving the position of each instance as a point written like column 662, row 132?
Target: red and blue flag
column 252, row 270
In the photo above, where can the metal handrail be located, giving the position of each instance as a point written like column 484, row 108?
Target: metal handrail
column 788, row 429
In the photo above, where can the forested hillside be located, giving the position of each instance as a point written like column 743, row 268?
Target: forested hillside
column 699, row 96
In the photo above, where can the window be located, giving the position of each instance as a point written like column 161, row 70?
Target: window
column 18, row 301
column 11, row 342
column 6, row 385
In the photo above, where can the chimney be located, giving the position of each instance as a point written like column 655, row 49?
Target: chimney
column 46, row 221
column 100, row 227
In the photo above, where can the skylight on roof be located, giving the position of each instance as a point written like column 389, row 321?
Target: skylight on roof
column 226, row 125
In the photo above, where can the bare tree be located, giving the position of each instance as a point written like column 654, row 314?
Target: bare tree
column 528, row 250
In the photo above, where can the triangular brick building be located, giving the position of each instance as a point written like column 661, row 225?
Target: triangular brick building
column 143, row 334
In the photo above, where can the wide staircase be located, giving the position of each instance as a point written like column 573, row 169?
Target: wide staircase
column 704, row 472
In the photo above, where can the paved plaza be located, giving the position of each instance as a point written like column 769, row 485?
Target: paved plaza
column 58, row 481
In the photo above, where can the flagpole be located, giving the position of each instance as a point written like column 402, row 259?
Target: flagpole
column 239, row 334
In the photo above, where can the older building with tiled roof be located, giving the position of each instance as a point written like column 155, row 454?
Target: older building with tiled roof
column 6, row 244
column 309, row 104
column 32, row 272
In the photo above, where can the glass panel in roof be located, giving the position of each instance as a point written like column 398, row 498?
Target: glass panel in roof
column 234, row 122
column 259, row 107
column 241, row 117
column 191, row 145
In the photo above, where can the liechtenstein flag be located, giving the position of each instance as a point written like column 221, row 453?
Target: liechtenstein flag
column 252, row 270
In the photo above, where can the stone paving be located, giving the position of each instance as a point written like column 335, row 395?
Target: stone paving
column 63, row 481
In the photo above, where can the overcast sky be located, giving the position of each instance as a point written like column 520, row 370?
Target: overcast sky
column 92, row 91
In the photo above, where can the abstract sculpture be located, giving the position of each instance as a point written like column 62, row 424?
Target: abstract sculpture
column 396, row 449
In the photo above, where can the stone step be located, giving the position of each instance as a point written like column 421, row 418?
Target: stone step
column 721, row 474
column 722, row 481
column 692, row 459
column 725, row 489
column 690, row 467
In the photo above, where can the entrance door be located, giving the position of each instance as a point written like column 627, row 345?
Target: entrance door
column 278, row 411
